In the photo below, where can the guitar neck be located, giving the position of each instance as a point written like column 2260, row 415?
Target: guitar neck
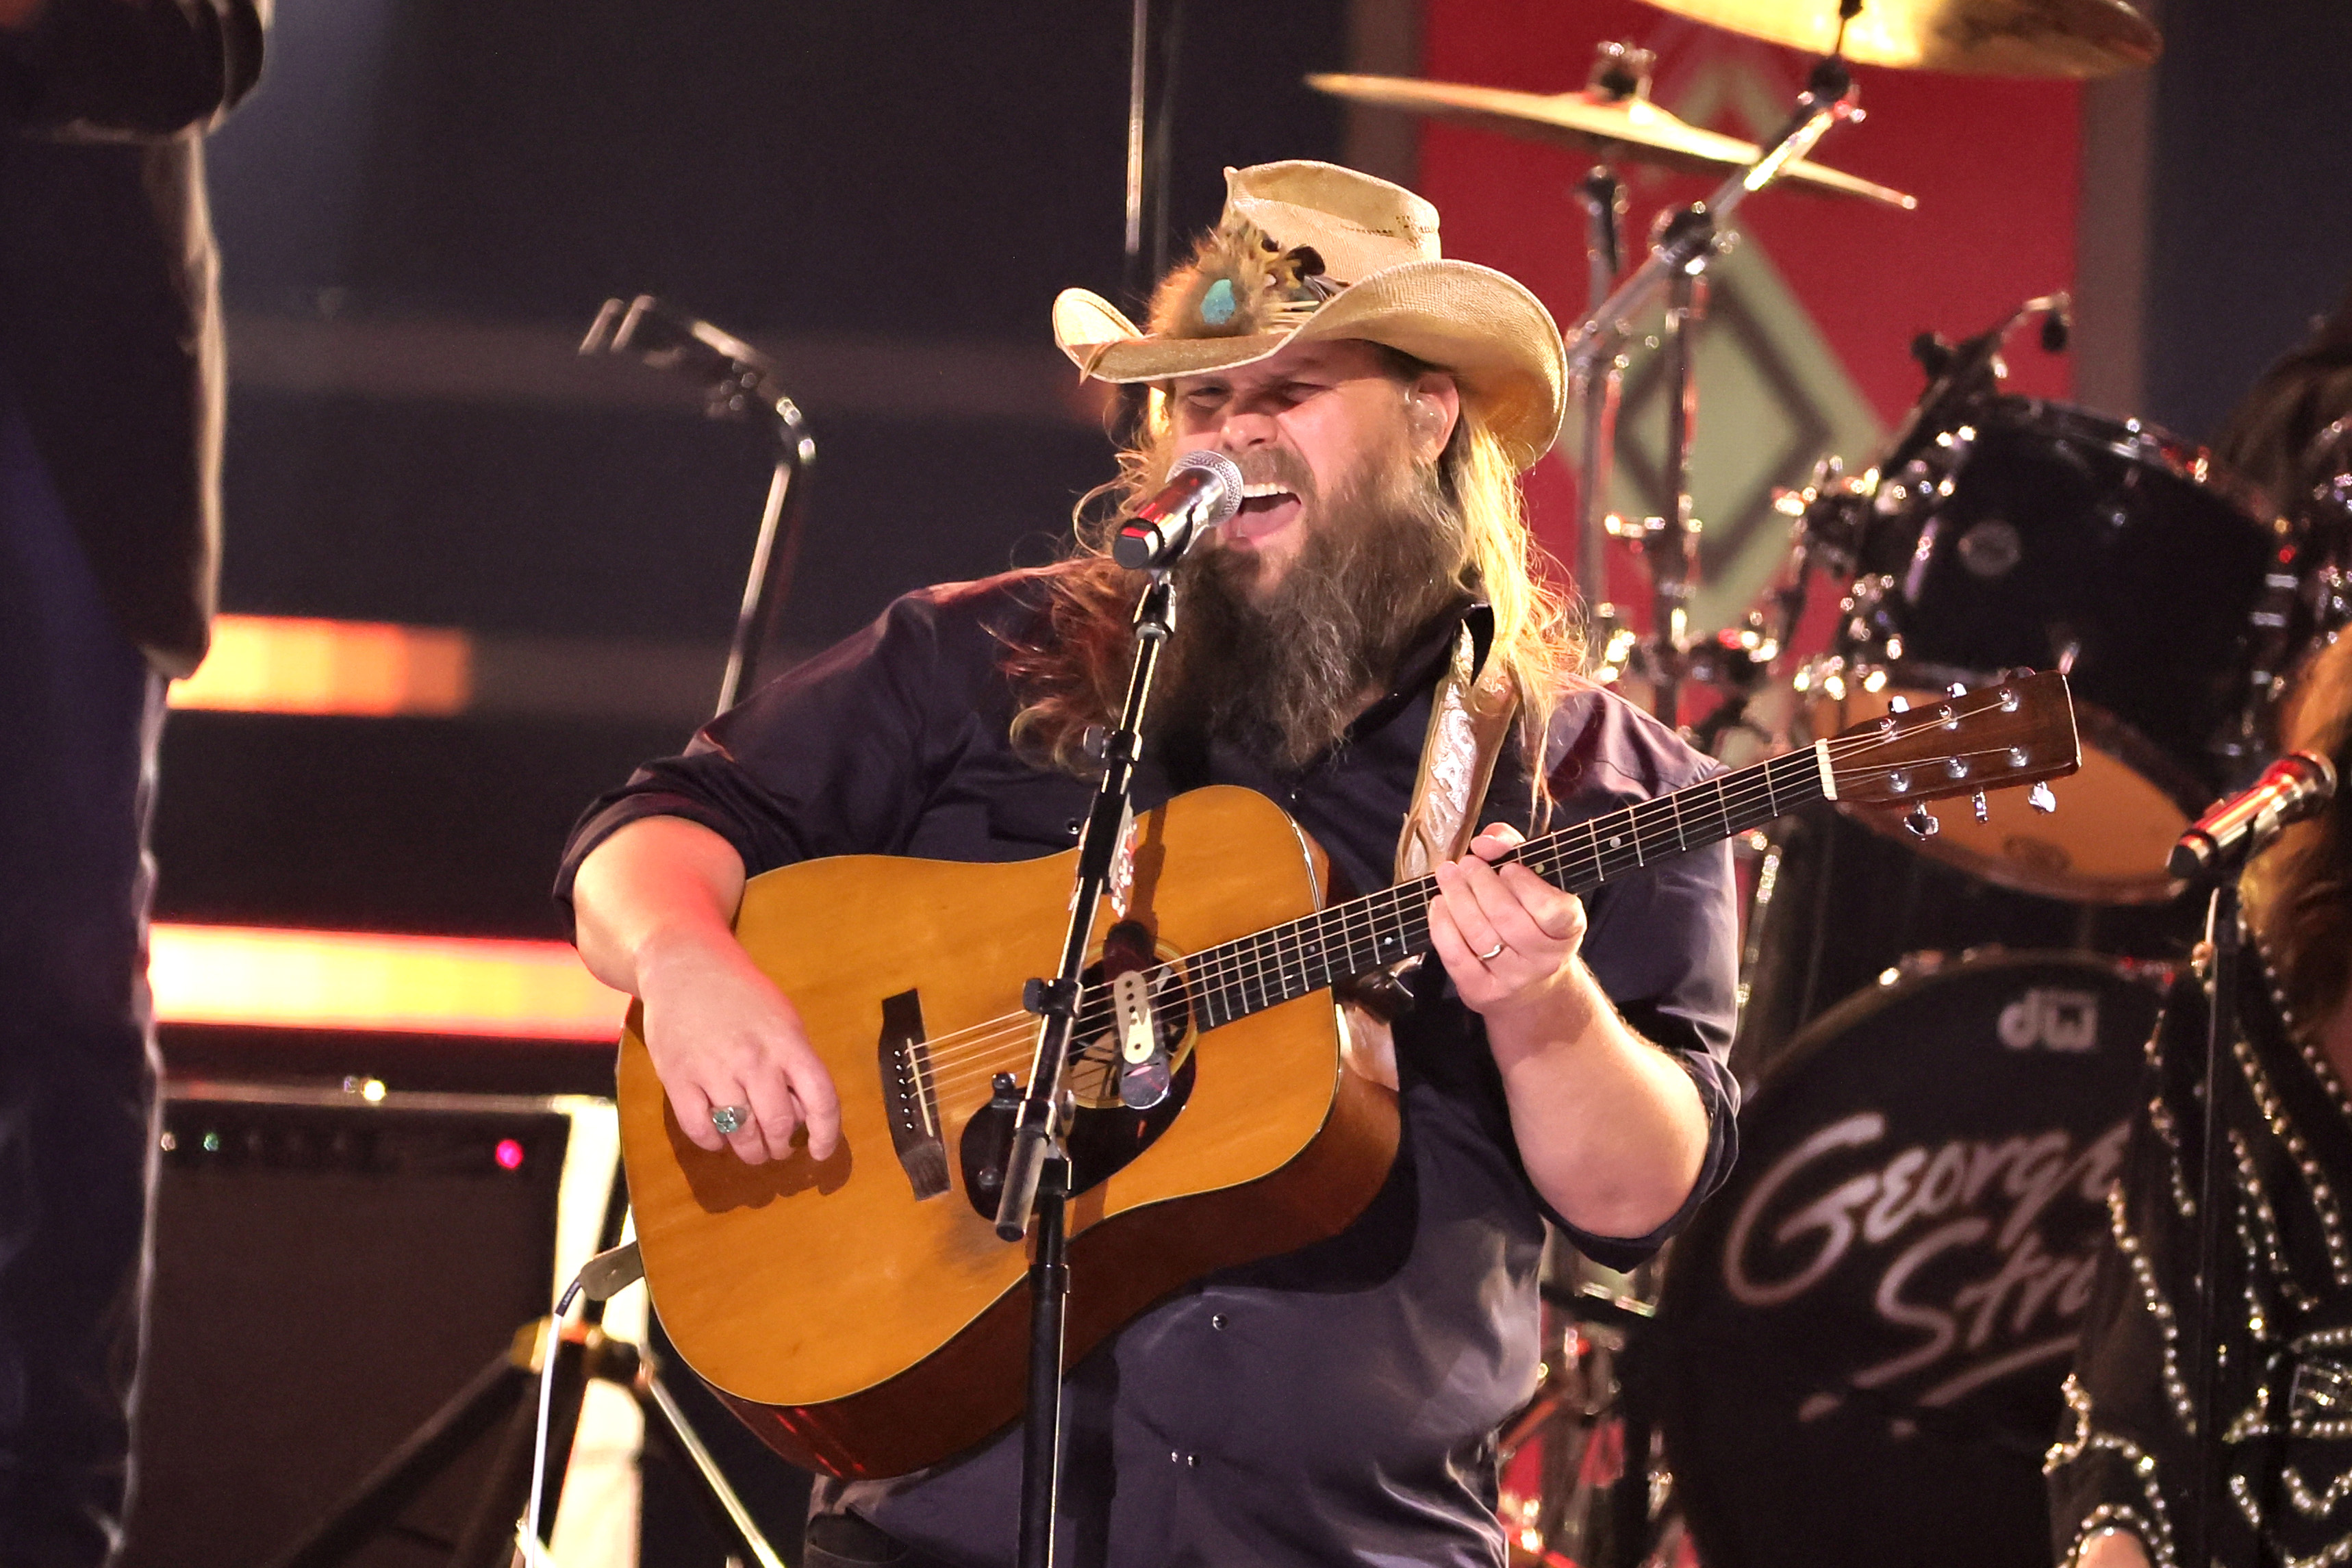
column 1282, row 963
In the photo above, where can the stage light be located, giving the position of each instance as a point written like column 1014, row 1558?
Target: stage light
column 352, row 980
column 270, row 664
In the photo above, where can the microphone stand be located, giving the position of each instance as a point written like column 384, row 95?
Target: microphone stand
column 2222, row 933
column 1036, row 1167
column 2220, row 857
column 739, row 381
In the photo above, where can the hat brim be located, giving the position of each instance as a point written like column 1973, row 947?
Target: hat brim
column 1482, row 326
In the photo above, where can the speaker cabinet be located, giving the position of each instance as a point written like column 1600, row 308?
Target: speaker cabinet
column 328, row 1272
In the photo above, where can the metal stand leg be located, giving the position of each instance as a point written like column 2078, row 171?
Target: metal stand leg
column 1668, row 540
column 1599, row 379
column 502, row 1390
column 1049, row 1295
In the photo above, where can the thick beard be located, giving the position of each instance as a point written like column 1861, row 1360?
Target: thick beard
column 1283, row 674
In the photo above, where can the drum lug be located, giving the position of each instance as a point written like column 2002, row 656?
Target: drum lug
column 1921, row 824
column 1976, row 804
column 2040, row 799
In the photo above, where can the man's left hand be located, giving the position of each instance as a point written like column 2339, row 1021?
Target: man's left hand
column 1506, row 937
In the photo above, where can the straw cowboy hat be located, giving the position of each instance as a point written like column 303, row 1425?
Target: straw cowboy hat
column 1306, row 252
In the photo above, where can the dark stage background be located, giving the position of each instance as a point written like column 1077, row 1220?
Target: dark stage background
column 420, row 212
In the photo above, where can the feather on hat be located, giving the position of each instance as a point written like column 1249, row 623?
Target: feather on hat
column 1308, row 252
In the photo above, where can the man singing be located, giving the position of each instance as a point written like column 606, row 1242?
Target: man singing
column 1365, row 644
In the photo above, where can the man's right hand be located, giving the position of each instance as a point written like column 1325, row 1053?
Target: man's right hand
column 720, row 1034
column 653, row 906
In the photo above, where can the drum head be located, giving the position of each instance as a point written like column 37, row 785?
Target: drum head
column 1864, row 1333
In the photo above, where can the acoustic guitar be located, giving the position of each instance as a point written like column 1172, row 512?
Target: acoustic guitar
column 862, row 1314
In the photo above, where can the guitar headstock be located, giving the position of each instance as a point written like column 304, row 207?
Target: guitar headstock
column 2011, row 733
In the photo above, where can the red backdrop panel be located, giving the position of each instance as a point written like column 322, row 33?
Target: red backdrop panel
column 1992, row 162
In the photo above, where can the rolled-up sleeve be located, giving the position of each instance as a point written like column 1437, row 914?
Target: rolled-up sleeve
column 832, row 757
column 1664, row 941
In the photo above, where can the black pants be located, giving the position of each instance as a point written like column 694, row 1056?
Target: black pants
column 81, row 714
column 845, row 1541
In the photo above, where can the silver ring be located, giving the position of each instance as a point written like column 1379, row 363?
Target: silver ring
column 729, row 1119
column 1491, row 954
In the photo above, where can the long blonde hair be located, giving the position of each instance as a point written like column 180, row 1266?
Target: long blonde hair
column 1074, row 677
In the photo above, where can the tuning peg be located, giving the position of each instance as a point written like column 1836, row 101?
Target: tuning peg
column 1956, row 690
column 1899, row 703
column 2040, row 799
column 1921, row 824
column 1976, row 804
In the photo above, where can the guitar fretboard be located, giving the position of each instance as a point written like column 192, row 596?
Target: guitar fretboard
column 1282, row 963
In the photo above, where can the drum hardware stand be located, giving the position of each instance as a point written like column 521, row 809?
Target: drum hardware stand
column 1621, row 72
column 1832, row 514
column 1682, row 245
column 1961, row 374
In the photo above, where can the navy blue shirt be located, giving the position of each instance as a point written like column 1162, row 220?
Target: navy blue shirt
column 1337, row 1404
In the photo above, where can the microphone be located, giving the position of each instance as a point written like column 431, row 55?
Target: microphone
column 2294, row 787
column 1203, row 490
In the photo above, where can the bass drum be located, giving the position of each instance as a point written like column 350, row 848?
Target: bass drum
column 1861, row 1338
column 1835, row 907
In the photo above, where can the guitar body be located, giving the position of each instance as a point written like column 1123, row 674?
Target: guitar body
column 862, row 1314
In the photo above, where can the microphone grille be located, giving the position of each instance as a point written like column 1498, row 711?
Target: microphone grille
column 1227, row 499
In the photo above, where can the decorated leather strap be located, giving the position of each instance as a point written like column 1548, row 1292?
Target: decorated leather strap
column 1467, row 724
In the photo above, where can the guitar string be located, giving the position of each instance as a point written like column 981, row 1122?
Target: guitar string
column 1405, row 910
column 1407, row 902
column 1002, row 1050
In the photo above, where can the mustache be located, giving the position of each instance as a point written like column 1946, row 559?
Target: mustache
column 1277, row 466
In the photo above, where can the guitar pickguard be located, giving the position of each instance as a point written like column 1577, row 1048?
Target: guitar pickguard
column 1104, row 1136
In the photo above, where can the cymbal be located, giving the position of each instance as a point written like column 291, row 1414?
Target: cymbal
column 1975, row 38
column 1592, row 121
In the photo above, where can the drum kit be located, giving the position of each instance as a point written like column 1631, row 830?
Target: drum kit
column 1854, row 1351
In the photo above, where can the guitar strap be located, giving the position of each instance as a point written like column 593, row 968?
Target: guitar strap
column 1468, row 721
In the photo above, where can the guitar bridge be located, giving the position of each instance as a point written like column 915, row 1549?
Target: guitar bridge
column 908, row 1093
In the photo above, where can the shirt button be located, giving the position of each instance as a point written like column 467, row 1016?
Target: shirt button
column 1217, row 1321
column 1175, row 1458
column 1191, row 1460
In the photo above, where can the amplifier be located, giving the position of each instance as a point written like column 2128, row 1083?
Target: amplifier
column 330, row 1269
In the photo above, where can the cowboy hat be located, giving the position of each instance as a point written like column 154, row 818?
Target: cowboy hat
column 1308, row 252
